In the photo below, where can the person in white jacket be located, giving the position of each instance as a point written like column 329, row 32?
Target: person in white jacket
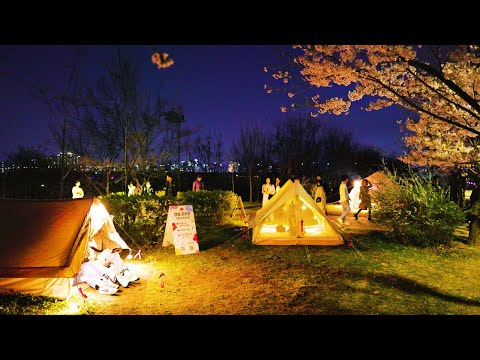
column 319, row 195
column 77, row 191
column 268, row 190
column 344, row 200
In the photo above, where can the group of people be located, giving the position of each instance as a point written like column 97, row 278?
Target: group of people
column 170, row 187
column 319, row 195
column 134, row 190
column 365, row 200
column 268, row 189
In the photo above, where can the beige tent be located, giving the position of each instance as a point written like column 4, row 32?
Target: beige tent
column 379, row 179
column 291, row 217
column 44, row 242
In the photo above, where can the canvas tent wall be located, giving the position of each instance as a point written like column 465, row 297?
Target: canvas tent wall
column 291, row 217
column 379, row 179
column 43, row 243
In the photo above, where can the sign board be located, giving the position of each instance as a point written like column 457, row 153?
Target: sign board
column 180, row 230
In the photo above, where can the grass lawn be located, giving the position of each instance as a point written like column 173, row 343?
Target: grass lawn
column 231, row 276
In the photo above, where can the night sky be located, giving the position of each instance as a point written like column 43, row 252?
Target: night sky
column 219, row 86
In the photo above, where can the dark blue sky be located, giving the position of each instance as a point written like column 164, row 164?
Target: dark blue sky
column 219, row 86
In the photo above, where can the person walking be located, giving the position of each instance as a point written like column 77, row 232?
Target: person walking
column 365, row 199
column 344, row 200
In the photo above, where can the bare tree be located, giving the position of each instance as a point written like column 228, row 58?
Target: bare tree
column 121, row 122
column 296, row 145
column 64, row 110
column 208, row 149
column 247, row 150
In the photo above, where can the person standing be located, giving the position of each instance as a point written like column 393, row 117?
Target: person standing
column 77, row 191
column 132, row 189
column 198, row 184
column 277, row 185
column 365, row 199
column 344, row 200
column 148, row 188
column 268, row 190
column 170, row 187
column 319, row 195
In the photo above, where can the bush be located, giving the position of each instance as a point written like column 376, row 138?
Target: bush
column 210, row 207
column 415, row 211
column 142, row 218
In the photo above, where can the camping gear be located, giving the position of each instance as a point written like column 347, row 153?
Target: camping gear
column 292, row 217
column 43, row 243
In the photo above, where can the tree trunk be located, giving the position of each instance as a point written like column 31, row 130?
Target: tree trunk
column 250, row 183
column 108, row 182
column 474, row 230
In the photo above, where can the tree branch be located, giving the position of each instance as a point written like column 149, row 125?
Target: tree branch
column 420, row 109
column 450, row 84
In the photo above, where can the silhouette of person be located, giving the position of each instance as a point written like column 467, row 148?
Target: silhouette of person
column 170, row 187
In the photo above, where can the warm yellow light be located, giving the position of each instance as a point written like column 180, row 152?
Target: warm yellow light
column 73, row 308
column 269, row 228
column 314, row 229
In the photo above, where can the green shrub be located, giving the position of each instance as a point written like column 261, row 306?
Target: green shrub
column 210, row 207
column 415, row 211
column 141, row 218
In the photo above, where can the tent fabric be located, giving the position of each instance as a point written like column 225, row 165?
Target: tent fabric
column 291, row 217
column 378, row 180
column 44, row 242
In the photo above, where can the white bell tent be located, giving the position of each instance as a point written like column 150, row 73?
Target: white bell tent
column 291, row 217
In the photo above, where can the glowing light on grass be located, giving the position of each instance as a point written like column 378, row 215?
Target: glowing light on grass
column 73, row 308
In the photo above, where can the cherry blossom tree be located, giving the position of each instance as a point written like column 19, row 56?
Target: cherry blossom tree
column 431, row 142
column 441, row 82
column 437, row 85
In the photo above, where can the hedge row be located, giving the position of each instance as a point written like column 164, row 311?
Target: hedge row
column 142, row 218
